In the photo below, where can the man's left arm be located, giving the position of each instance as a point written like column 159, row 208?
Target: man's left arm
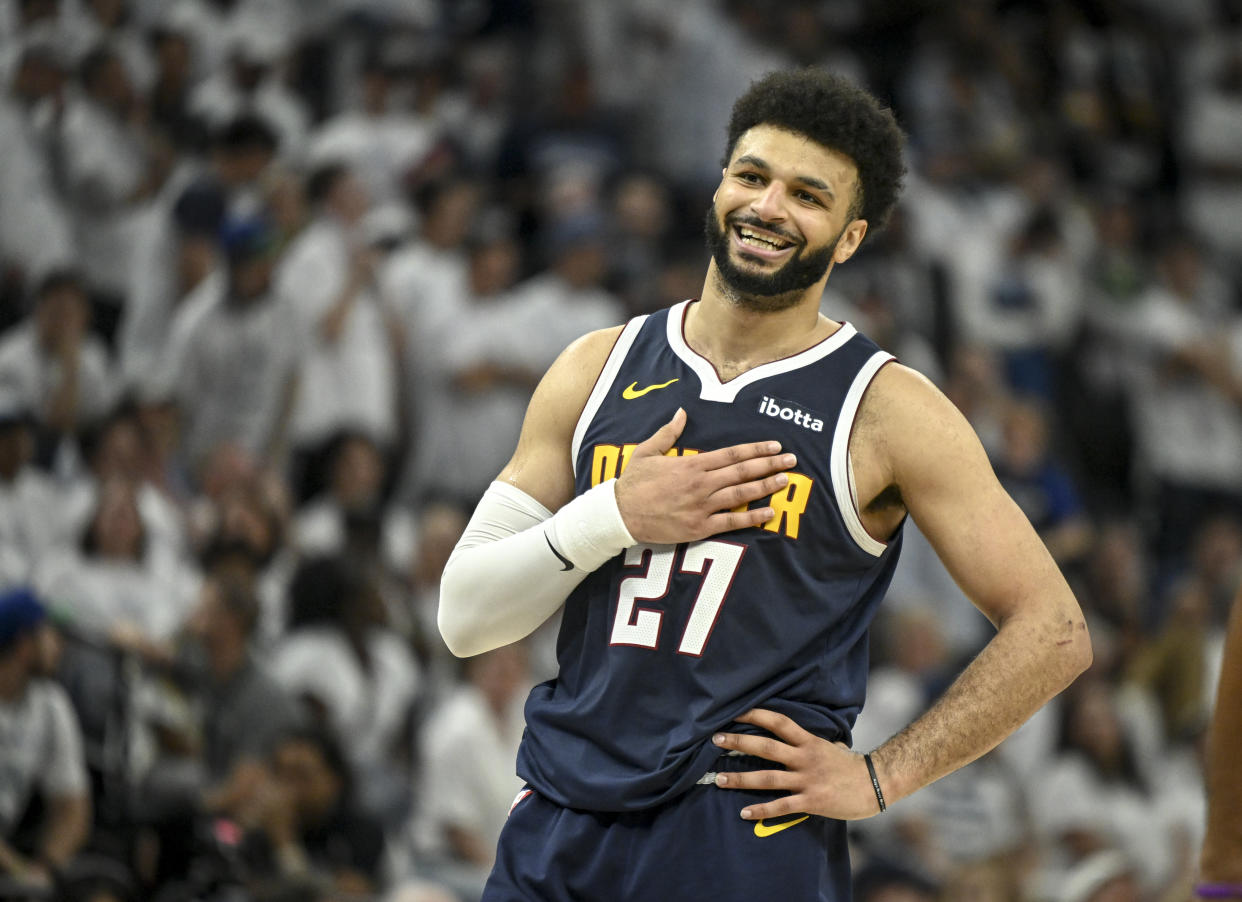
column 1041, row 644
column 64, row 783
column 65, row 828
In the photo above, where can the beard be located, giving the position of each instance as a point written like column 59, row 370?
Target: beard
column 765, row 291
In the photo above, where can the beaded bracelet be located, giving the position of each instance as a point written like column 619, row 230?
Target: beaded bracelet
column 875, row 782
column 1219, row 890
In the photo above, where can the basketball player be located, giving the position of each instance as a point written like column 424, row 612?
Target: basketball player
column 715, row 492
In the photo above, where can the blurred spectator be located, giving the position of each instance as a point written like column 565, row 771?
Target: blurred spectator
column 1102, row 877
column 60, row 370
column 175, row 61
column 114, row 451
column 468, row 783
column 1116, row 592
column 354, row 674
column 558, row 158
column 484, row 379
column 252, row 83
column 882, row 881
column 246, row 521
column 1093, row 795
column 237, row 352
column 242, row 153
column 440, row 524
column 1040, row 485
column 966, row 118
column 36, row 233
column 425, row 281
column 1095, row 395
column 1024, row 305
column 114, row 579
column 380, row 140
column 356, row 480
column 93, row 23
column 245, row 710
column 642, row 217
column 215, row 766
column 1211, row 139
column 111, row 165
column 308, row 830
column 30, row 511
column 177, row 256
column 709, row 55
column 1172, row 666
column 348, row 374
column 1186, row 395
column 44, row 769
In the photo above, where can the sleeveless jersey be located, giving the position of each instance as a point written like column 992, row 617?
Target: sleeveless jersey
column 664, row 645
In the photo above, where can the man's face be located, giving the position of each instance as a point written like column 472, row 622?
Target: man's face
column 16, row 449
column 313, row 788
column 781, row 217
column 251, row 277
column 62, row 314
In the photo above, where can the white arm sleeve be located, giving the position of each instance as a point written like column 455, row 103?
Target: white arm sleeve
column 517, row 562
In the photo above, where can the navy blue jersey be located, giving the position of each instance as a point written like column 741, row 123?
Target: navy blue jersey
column 665, row 645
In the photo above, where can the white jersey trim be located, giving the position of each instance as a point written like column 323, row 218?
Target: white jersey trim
column 710, row 386
column 603, row 384
column 840, row 465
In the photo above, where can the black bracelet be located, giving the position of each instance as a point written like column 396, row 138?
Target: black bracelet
column 875, row 782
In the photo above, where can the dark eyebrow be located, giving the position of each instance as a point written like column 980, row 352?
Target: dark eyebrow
column 809, row 181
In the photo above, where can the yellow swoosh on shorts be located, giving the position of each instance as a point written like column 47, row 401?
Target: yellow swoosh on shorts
column 762, row 829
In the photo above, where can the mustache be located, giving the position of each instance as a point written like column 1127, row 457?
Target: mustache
column 756, row 222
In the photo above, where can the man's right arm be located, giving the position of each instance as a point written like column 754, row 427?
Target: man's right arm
column 531, row 541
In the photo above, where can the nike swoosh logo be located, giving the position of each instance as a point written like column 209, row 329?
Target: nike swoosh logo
column 633, row 391
column 569, row 565
column 762, row 829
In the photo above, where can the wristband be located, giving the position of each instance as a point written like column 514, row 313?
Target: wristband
column 589, row 530
column 875, row 782
column 1219, row 890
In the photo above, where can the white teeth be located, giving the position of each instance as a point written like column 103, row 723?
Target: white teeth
column 749, row 237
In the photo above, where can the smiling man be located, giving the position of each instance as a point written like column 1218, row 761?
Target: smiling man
column 715, row 493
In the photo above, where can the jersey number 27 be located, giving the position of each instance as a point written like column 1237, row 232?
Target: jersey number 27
column 717, row 561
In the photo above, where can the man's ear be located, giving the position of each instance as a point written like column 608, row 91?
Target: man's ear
column 849, row 241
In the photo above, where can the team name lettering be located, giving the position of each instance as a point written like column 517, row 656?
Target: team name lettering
column 789, row 504
column 801, row 418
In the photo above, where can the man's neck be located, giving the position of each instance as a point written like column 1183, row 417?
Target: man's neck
column 13, row 682
column 735, row 338
column 227, row 660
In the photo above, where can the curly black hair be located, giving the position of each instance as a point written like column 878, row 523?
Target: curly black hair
column 836, row 113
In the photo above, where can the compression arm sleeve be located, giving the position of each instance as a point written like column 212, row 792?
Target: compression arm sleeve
column 517, row 562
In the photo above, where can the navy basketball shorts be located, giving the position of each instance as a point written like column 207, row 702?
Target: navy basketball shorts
column 694, row 847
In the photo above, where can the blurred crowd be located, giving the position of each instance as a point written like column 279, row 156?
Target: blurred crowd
column 277, row 278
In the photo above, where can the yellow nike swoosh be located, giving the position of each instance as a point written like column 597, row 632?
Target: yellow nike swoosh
column 633, row 391
column 762, row 829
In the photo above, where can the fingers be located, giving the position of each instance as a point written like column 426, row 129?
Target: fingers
column 731, row 520
column 758, row 746
column 760, row 779
column 663, row 438
column 736, row 454
column 732, row 496
column 794, row 804
column 776, row 724
column 750, row 469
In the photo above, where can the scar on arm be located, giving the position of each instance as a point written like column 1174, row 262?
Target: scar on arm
column 1082, row 625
